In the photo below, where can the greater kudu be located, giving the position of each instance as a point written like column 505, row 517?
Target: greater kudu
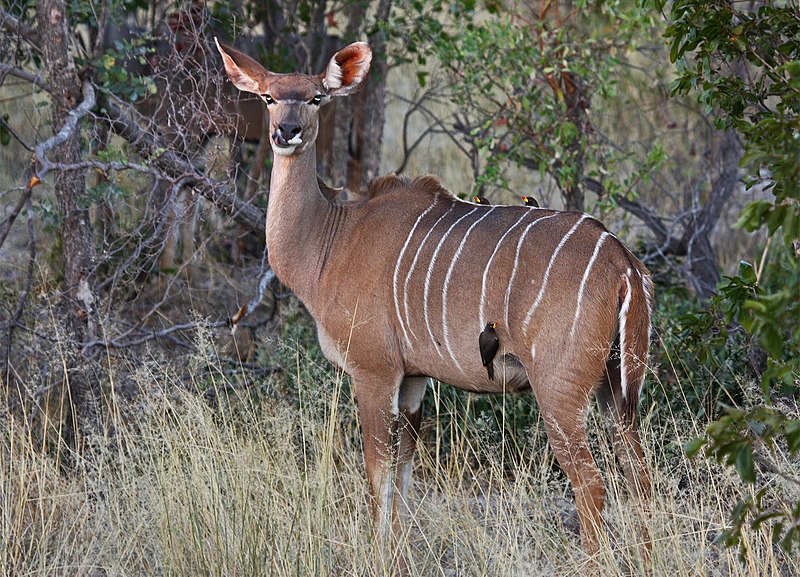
column 402, row 284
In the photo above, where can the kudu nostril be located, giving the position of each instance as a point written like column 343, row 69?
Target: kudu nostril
column 290, row 129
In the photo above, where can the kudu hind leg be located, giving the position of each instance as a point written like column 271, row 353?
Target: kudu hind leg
column 566, row 431
column 624, row 433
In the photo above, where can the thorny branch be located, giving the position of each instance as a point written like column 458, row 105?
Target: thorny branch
column 126, row 121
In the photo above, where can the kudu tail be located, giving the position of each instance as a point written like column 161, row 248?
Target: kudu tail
column 619, row 394
column 635, row 295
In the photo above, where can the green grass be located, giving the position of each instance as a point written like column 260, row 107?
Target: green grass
column 255, row 484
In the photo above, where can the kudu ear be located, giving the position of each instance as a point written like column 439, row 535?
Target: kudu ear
column 348, row 69
column 245, row 73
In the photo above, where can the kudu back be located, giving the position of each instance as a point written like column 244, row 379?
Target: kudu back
column 402, row 283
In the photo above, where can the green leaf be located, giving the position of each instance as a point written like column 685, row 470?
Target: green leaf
column 747, row 272
column 569, row 131
column 793, row 68
column 744, row 463
column 793, row 436
column 691, row 447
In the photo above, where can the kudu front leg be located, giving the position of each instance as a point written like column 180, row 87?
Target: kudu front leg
column 390, row 418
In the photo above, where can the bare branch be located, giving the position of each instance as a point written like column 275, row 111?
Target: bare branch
column 12, row 24
column 66, row 131
column 23, row 297
column 148, row 335
column 16, row 135
column 35, row 79
column 266, row 278
column 6, row 225
column 125, row 121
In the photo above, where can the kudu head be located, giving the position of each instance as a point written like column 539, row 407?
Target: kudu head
column 294, row 100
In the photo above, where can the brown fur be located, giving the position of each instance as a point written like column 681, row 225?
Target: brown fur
column 422, row 185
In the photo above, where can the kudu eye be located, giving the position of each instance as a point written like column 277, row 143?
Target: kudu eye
column 316, row 100
column 268, row 99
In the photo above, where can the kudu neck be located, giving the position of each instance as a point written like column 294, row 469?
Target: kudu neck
column 296, row 215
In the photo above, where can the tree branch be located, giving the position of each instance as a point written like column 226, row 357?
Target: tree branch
column 6, row 225
column 13, row 24
column 66, row 131
column 125, row 121
column 35, row 79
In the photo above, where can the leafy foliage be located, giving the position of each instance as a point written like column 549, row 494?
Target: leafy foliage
column 121, row 69
column 524, row 80
column 745, row 67
column 734, row 440
column 703, row 361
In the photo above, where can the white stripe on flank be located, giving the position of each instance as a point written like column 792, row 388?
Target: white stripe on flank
column 411, row 270
column 516, row 258
column 447, row 285
column 547, row 271
column 623, row 320
column 584, row 279
column 488, row 266
column 430, row 272
column 400, row 259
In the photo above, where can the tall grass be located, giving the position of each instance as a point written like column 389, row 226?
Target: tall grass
column 256, row 483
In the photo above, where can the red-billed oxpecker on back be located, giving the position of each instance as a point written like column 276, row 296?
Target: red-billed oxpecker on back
column 401, row 282
column 530, row 201
column 489, row 344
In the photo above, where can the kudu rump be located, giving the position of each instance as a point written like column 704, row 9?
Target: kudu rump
column 402, row 284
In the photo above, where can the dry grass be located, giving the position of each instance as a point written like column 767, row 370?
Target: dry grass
column 258, row 485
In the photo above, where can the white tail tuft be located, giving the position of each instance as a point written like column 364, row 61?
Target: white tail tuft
column 623, row 318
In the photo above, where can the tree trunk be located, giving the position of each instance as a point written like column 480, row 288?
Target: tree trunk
column 344, row 167
column 577, row 103
column 372, row 117
column 80, row 394
column 701, row 259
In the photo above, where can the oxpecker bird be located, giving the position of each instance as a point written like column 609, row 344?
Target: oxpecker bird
column 481, row 200
column 530, row 201
column 488, row 343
